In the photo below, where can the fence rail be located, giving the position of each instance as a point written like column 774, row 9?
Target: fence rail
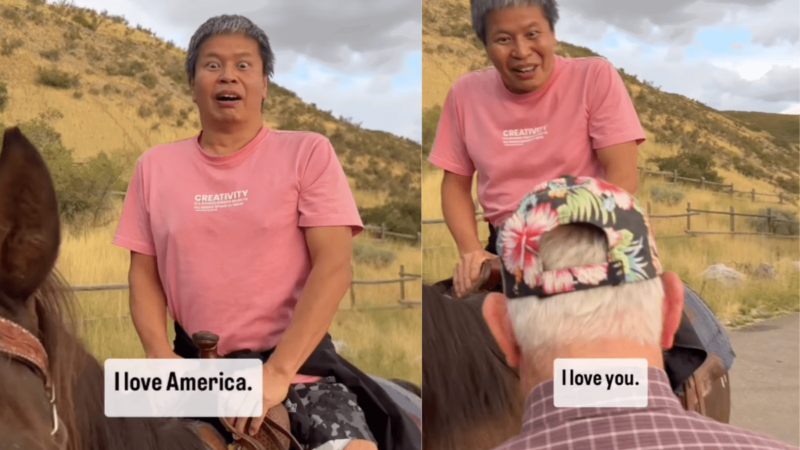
column 404, row 277
column 770, row 217
column 782, row 198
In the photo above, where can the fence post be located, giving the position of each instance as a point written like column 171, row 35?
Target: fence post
column 769, row 220
column 780, row 197
column 754, row 194
column 383, row 231
column 688, row 217
column 649, row 209
column 733, row 218
column 675, row 177
column 352, row 291
column 402, row 283
column 419, row 237
column 703, row 182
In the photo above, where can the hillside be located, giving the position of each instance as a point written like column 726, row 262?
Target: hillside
column 752, row 150
column 106, row 87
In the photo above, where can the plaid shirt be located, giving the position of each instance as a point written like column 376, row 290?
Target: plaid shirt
column 662, row 425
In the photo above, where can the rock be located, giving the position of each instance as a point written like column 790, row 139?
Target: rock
column 765, row 271
column 723, row 275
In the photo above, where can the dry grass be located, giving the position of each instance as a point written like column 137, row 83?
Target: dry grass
column 382, row 342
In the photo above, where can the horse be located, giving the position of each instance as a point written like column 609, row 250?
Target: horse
column 473, row 398
column 51, row 386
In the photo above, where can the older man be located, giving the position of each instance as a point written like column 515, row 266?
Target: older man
column 246, row 232
column 582, row 279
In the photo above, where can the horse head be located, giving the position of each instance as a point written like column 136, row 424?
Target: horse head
column 29, row 243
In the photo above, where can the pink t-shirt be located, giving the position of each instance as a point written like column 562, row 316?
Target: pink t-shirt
column 515, row 141
column 227, row 231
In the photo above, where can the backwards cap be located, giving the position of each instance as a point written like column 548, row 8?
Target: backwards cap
column 632, row 254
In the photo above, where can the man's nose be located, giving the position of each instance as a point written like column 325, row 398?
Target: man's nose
column 228, row 75
column 521, row 49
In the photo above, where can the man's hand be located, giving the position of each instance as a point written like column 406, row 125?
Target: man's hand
column 275, row 389
column 469, row 269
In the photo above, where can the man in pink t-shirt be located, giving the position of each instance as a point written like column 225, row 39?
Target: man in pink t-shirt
column 246, row 232
column 533, row 117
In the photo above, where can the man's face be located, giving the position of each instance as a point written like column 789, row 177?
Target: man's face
column 521, row 45
column 229, row 84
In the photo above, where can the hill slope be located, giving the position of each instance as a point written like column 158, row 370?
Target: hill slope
column 746, row 150
column 107, row 87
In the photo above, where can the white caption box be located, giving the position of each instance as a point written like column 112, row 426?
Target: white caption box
column 183, row 387
column 599, row 383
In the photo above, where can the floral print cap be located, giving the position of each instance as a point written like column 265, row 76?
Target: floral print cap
column 632, row 252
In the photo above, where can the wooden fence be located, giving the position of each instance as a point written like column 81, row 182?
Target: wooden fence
column 770, row 218
column 403, row 303
column 726, row 188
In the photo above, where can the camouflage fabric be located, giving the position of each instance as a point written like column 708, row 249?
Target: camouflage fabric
column 326, row 411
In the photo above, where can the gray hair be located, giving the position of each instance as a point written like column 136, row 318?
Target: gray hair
column 229, row 24
column 629, row 311
column 482, row 8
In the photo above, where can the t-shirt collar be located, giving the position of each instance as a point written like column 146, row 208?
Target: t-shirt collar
column 234, row 157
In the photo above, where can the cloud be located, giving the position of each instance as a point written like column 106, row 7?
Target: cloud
column 737, row 46
column 675, row 22
column 779, row 85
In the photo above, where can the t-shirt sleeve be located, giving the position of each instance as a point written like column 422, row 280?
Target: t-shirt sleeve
column 449, row 152
column 133, row 230
column 325, row 197
column 612, row 116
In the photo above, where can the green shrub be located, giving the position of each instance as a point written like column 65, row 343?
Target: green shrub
column 83, row 190
column 372, row 256
column 149, row 80
column 129, row 68
column 430, row 121
column 3, row 96
column 145, row 111
column 50, row 55
column 8, row 47
column 12, row 15
column 57, row 79
column 763, row 225
column 694, row 163
column 663, row 194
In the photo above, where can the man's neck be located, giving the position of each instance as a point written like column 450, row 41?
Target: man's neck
column 540, row 370
column 224, row 140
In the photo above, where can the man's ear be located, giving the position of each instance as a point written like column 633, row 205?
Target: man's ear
column 672, row 307
column 495, row 313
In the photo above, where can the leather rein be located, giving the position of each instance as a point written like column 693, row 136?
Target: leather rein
column 21, row 345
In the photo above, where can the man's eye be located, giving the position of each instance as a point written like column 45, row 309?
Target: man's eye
column 244, row 65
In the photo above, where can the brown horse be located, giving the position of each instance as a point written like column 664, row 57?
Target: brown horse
column 51, row 388
column 472, row 399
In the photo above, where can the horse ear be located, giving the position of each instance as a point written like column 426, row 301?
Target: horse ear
column 29, row 223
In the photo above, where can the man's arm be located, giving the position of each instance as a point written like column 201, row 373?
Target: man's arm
column 619, row 162
column 330, row 249
column 459, row 214
column 148, row 306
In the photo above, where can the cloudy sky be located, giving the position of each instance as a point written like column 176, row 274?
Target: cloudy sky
column 356, row 58
column 729, row 54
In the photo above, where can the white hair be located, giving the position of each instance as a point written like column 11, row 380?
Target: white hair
column 629, row 311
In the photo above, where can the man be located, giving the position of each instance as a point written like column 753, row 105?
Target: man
column 532, row 117
column 246, row 232
column 582, row 279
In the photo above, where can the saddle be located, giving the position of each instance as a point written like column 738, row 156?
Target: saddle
column 275, row 432
column 706, row 391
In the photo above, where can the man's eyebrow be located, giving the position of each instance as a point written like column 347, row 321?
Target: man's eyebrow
column 216, row 55
column 532, row 23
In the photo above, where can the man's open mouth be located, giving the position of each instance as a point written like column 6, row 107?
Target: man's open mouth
column 228, row 98
column 525, row 69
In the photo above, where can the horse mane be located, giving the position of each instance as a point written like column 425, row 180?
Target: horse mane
column 468, row 388
column 79, row 384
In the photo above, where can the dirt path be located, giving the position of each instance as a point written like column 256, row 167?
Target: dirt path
column 765, row 378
